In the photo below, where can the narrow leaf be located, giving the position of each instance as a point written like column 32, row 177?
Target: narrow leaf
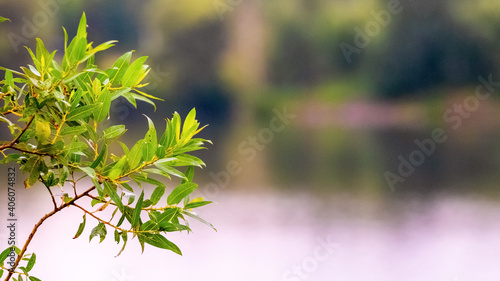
column 81, row 112
column 157, row 194
column 180, row 192
column 136, row 216
column 81, row 227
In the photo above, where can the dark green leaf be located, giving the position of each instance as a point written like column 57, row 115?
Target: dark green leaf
column 189, row 175
column 157, row 194
column 111, row 190
column 157, row 240
column 100, row 230
column 100, row 157
column 136, row 217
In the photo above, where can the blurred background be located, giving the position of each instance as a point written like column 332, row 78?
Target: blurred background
column 353, row 139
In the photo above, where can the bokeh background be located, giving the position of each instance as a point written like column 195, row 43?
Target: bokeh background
column 353, row 139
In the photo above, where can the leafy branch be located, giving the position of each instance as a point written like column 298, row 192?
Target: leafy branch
column 59, row 139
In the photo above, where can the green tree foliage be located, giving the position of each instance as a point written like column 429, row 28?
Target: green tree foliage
column 55, row 113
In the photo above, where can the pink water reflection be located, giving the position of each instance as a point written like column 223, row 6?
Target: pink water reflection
column 269, row 236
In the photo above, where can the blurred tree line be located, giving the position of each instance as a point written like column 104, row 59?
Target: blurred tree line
column 233, row 60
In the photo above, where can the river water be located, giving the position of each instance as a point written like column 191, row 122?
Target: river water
column 284, row 236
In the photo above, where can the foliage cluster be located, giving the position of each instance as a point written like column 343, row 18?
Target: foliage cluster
column 55, row 112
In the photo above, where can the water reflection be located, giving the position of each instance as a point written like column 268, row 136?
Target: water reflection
column 290, row 236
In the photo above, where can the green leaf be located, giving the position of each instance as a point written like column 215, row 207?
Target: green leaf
column 100, row 230
column 124, row 238
column 100, row 157
column 157, row 194
column 43, row 130
column 190, row 121
column 117, row 169
column 31, row 262
column 110, row 189
column 2, row 19
column 35, row 164
column 188, row 160
column 166, row 166
column 77, row 130
column 79, row 49
column 81, row 112
column 32, row 278
column 131, row 97
column 91, row 173
column 159, row 241
column 81, row 227
column 197, row 204
column 104, row 104
column 5, row 253
column 144, row 178
column 134, row 72
column 75, row 98
column 114, row 131
column 189, row 175
column 136, row 216
column 167, row 216
column 180, row 192
column 151, row 133
column 82, row 27
column 135, row 155
column 148, row 151
column 119, row 68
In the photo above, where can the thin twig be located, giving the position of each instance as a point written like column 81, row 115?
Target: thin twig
column 52, row 196
column 14, row 141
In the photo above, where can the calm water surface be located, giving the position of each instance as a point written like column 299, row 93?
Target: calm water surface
column 272, row 236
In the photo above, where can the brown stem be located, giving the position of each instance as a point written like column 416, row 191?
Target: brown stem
column 99, row 219
column 52, row 196
column 14, row 141
column 37, row 225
